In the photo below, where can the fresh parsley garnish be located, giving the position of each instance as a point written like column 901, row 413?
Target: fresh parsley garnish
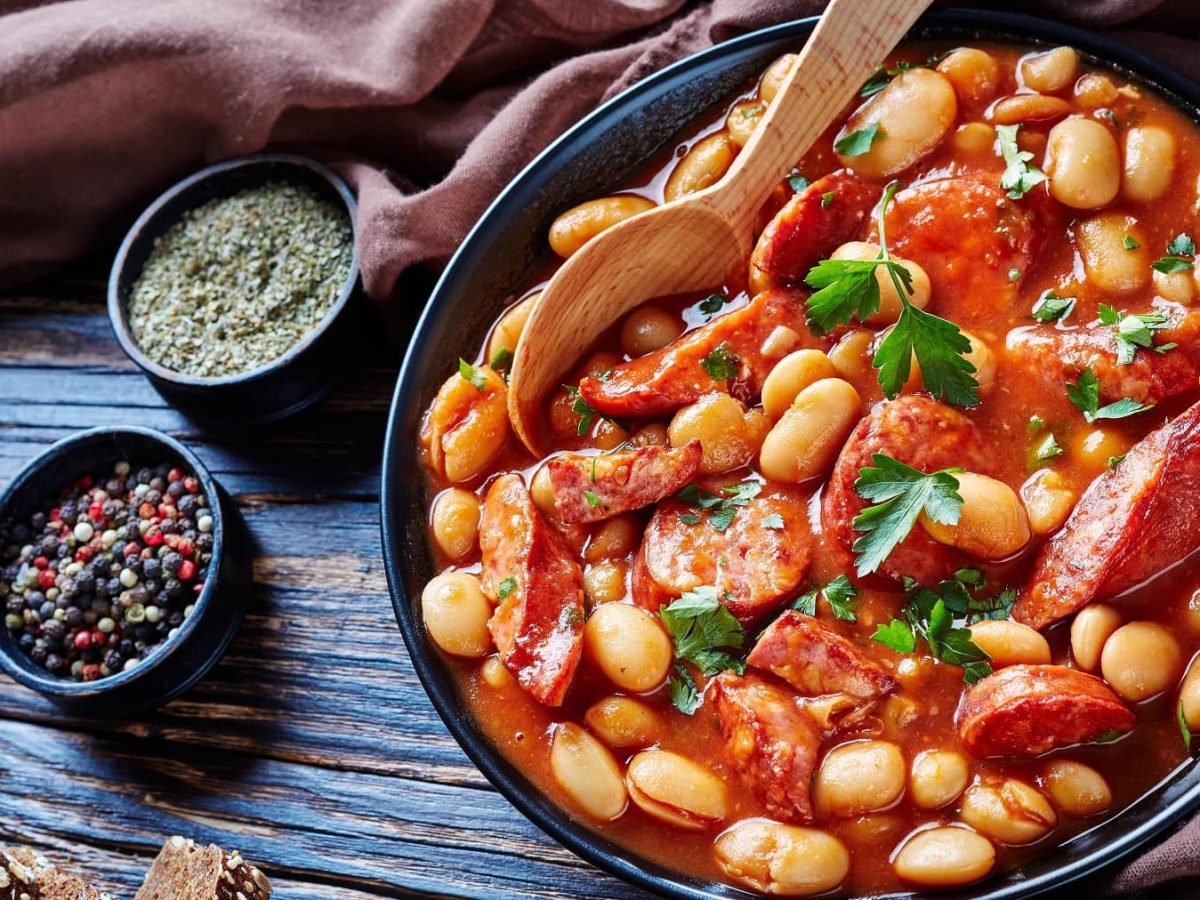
column 1130, row 242
column 1019, row 177
column 882, row 77
column 1036, row 424
column 1181, row 251
column 931, row 614
column 774, row 521
column 749, row 112
column 1114, row 461
column 502, row 359
column 856, row 143
column 593, row 499
column 1014, row 275
column 586, row 412
column 507, row 586
column 839, row 594
column 705, row 634
column 474, row 376
column 1107, row 737
column 711, row 305
column 685, row 696
column 1184, row 731
column 1047, row 449
column 1085, row 395
column 1052, row 308
column 827, row 199
column 721, row 364
column 1132, row 332
column 900, row 493
column 722, row 507
column 796, row 181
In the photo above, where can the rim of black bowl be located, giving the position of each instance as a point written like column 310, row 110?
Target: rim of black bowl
column 118, row 314
column 572, row 833
column 23, row 669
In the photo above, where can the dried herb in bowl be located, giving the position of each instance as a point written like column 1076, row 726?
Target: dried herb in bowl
column 240, row 280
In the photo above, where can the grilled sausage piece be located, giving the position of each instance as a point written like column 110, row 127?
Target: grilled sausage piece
column 538, row 626
column 661, row 382
column 1058, row 355
column 1025, row 711
column 924, row 434
column 618, row 482
column 753, row 564
column 809, row 228
column 1135, row 520
column 770, row 739
column 816, row 660
column 967, row 236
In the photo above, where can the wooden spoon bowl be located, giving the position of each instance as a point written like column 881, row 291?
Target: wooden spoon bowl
column 695, row 242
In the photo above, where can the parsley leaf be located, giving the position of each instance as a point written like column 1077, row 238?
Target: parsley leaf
column 1184, row 730
column 1169, row 265
column 856, row 143
column 689, row 519
column 1133, row 332
column 685, row 696
column 1052, row 308
column 474, row 376
column 774, row 521
column 722, row 363
column 896, row 635
column 900, row 493
column 711, row 305
column 806, row 602
column 1014, row 274
column 827, row 199
column 931, row 615
column 1019, row 177
column 796, row 181
column 845, row 289
column 1047, row 449
column 593, row 500
column 581, row 408
column 1107, row 737
column 502, row 359
column 1130, row 242
column 882, row 76
column 721, row 508
column 507, row 586
column 1085, row 395
column 1181, row 245
column 1114, row 461
column 1179, row 249
column 839, row 594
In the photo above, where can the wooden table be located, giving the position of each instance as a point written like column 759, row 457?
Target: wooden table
column 311, row 747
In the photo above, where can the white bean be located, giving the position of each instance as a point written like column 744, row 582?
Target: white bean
column 890, row 305
column 1010, row 643
column 781, row 859
column 729, row 434
column 805, row 441
column 1078, row 791
column 623, row 722
column 1051, row 71
column 456, row 614
column 455, row 518
column 790, row 376
column 938, row 778
column 585, row 769
column 581, row 223
column 1149, row 162
column 991, row 522
column 676, row 790
column 647, row 329
column 628, row 645
column 1189, row 696
column 1109, row 265
column 1008, row 810
column 946, row 856
column 859, row 777
column 1141, row 660
column 1091, row 629
column 1082, row 163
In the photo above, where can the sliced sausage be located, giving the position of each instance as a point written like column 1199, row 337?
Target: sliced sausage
column 619, row 482
column 1025, row 711
column 770, row 740
column 809, row 228
column 538, row 626
column 661, row 382
column 816, row 660
column 967, row 236
column 1059, row 355
column 922, row 433
column 754, row 565
column 1136, row 520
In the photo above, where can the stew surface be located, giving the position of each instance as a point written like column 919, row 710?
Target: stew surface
column 872, row 568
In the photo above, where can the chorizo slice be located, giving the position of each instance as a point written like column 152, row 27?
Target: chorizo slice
column 809, row 228
column 816, row 660
column 538, row 625
column 661, row 382
column 1058, row 355
column 924, row 434
column 967, row 236
column 753, row 562
column 1025, row 711
column 1134, row 521
column 591, row 488
column 770, row 740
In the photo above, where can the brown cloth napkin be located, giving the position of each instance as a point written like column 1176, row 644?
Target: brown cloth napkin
column 428, row 106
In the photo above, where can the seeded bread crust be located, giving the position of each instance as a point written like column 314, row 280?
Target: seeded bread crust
column 27, row 875
column 184, row 871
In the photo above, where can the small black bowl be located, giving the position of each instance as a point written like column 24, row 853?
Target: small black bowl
column 507, row 244
column 181, row 661
column 287, row 384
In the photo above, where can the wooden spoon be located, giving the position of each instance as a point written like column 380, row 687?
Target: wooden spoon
column 695, row 242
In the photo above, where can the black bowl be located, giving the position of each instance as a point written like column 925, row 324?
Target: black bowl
column 494, row 261
column 287, row 384
column 181, row 661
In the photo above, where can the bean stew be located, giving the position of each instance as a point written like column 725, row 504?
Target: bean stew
column 872, row 568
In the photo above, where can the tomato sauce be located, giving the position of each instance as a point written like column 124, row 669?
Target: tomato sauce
column 1020, row 410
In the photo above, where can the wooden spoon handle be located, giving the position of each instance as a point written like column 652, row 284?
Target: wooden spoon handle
column 844, row 50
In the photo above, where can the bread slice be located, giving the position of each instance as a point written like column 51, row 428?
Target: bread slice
column 27, row 875
column 184, row 871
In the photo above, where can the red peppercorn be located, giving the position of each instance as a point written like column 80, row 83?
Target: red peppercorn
column 96, row 511
column 187, row 570
column 153, row 537
column 41, row 562
column 165, row 511
column 192, row 484
column 174, row 475
column 90, row 672
column 85, row 553
column 146, row 511
column 132, row 549
column 83, row 640
column 55, row 514
column 45, row 579
column 184, row 547
column 85, row 482
column 171, row 540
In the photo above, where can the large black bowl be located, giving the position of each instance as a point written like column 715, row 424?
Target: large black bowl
column 495, row 260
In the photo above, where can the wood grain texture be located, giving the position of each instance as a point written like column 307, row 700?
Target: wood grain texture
column 311, row 747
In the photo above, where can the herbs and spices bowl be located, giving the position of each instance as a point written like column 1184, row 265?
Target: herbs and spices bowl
column 236, row 290
column 122, row 571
